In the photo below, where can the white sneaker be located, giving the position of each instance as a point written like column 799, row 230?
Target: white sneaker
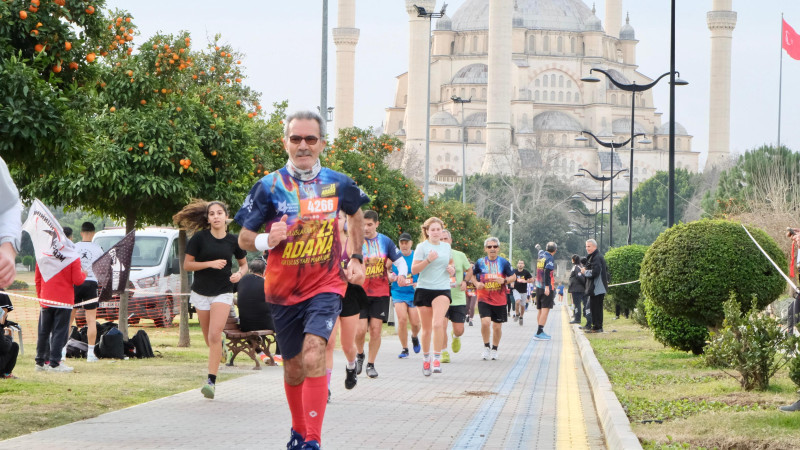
column 494, row 354
column 41, row 368
column 91, row 358
column 60, row 368
column 485, row 354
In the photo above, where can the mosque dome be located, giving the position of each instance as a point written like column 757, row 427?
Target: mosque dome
column 477, row 119
column 593, row 22
column 623, row 127
column 555, row 121
column 679, row 129
column 626, row 32
column 562, row 15
column 443, row 118
column 444, row 23
column 472, row 74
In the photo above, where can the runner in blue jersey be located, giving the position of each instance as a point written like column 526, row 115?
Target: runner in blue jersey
column 403, row 298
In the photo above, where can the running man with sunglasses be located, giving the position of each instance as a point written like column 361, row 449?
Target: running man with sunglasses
column 491, row 273
column 298, row 206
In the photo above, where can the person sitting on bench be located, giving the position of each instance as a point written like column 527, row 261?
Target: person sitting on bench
column 254, row 311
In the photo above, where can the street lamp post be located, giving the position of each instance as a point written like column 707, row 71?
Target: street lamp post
column 460, row 100
column 634, row 88
column 421, row 12
column 592, row 215
column 600, row 199
column 612, row 145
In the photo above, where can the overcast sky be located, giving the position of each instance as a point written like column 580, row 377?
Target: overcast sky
column 282, row 43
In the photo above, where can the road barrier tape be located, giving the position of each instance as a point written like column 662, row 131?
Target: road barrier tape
column 785, row 277
column 64, row 304
column 623, row 284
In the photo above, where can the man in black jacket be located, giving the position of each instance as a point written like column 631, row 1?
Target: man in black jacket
column 596, row 273
column 577, row 286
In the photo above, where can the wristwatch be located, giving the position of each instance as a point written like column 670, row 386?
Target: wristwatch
column 358, row 256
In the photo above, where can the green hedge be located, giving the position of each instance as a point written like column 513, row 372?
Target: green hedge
column 691, row 269
column 623, row 265
column 676, row 332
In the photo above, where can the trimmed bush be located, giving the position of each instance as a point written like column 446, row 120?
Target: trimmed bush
column 623, row 265
column 691, row 270
column 794, row 370
column 28, row 261
column 639, row 315
column 18, row 285
column 676, row 332
column 752, row 344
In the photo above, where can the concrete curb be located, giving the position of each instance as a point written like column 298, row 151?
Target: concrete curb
column 613, row 420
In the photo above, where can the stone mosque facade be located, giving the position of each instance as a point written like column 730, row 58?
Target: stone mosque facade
column 520, row 63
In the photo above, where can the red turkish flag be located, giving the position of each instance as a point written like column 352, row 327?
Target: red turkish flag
column 790, row 41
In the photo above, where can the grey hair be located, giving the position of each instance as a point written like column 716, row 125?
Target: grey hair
column 448, row 233
column 551, row 247
column 257, row 266
column 304, row 115
column 491, row 239
column 591, row 241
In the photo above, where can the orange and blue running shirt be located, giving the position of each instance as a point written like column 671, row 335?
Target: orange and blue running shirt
column 307, row 263
column 375, row 252
column 491, row 274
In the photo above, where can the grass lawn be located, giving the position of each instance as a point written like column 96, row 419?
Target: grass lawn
column 674, row 401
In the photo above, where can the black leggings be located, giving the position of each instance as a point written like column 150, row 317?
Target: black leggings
column 9, row 360
column 510, row 302
column 596, row 307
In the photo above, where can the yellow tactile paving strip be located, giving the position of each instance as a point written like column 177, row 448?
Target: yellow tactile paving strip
column 571, row 428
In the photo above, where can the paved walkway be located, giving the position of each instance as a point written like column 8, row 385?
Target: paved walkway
column 535, row 395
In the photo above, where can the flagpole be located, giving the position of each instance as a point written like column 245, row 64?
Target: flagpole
column 780, row 85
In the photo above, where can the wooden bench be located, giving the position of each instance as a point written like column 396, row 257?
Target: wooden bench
column 248, row 342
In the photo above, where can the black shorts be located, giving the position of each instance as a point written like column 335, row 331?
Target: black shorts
column 545, row 301
column 456, row 314
column 425, row 297
column 378, row 308
column 86, row 291
column 354, row 300
column 498, row 314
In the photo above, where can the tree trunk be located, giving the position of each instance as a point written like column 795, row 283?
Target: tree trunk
column 183, row 337
column 130, row 224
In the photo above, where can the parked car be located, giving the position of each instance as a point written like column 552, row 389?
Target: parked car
column 154, row 277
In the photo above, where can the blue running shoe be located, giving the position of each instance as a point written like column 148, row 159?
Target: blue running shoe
column 311, row 445
column 295, row 441
column 542, row 336
column 547, row 336
column 415, row 344
column 403, row 354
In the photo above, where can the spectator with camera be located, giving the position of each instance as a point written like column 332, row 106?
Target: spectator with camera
column 577, row 284
column 8, row 348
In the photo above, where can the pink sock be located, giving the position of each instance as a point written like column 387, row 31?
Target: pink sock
column 294, row 396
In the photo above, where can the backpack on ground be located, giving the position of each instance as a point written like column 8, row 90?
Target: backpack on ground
column 110, row 345
column 77, row 348
column 141, row 343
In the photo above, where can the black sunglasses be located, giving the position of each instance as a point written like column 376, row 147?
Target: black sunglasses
column 491, row 246
column 310, row 140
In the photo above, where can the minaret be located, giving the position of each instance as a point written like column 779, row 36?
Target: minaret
column 498, row 106
column 419, row 29
column 721, row 21
column 613, row 17
column 345, row 36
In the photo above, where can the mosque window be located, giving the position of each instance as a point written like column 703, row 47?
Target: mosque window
column 433, row 133
column 478, row 136
column 400, row 125
column 577, row 97
column 664, row 144
column 551, row 139
column 447, row 135
column 462, row 92
column 642, row 102
column 553, row 79
column 572, row 45
column 564, row 143
column 447, row 157
column 644, row 170
column 531, row 44
column 569, row 97
column 678, row 144
column 546, row 43
column 569, row 83
column 439, row 158
column 613, row 99
column 452, row 47
column 636, row 171
column 536, row 95
column 474, row 44
column 552, row 96
column 560, row 44
column 544, row 81
column 483, row 93
column 536, row 83
column 524, row 121
column 561, row 81
column 561, row 96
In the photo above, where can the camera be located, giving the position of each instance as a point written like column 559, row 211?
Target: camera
column 584, row 261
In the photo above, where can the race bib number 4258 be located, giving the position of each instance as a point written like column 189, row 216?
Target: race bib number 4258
column 318, row 206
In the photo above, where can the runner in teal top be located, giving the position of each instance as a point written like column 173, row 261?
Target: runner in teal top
column 403, row 299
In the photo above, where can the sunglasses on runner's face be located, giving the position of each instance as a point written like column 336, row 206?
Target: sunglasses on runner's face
column 310, row 140
column 491, row 246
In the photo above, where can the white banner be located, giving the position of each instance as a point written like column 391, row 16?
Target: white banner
column 52, row 249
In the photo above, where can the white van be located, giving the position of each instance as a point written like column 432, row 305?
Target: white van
column 154, row 277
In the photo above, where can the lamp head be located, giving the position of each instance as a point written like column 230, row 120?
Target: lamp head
column 455, row 98
column 680, row 82
column 590, row 79
column 581, row 138
column 579, row 174
column 421, row 11
column 645, row 140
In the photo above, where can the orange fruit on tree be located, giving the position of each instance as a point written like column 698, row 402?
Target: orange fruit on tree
column 38, row 48
column 178, row 109
column 194, row 77
column 128, row 19
column 91, row 57
column 143, row 101
column 90, row 10
column 130, row 73
column 216, row 48
column 112, row 109
column 141, row 144
column 33, row 8
column 67, row 46
column 73, row 65
column 57, row 68
column 213, row 153
column 23, row 15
